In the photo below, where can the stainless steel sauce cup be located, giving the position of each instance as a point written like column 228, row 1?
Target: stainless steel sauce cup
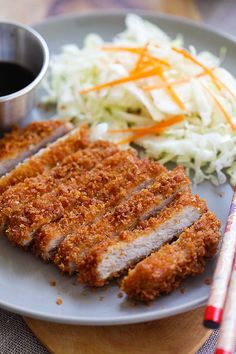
column 24, row 46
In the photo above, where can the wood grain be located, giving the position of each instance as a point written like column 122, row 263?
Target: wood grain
column 182, row 334
column 31, row 11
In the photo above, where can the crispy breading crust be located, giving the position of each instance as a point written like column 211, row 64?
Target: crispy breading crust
column 129, row 210
column 109, row 181
column 32, row 188
column 125, row 216
column 88, row 265
column 46, row 158
column 163, row 271
column 22, row 138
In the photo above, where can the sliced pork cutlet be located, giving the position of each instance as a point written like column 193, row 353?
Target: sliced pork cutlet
column 140, row 205
column 164, row 270
column 46, row 158
column 32, row 188
column 114, row 255
column 21, row 143
column 108, row 182
column 125, row 216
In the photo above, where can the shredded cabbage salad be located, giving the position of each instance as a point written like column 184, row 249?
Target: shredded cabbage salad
column 144, row 87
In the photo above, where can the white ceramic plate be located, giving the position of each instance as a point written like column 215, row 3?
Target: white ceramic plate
column 25, row 280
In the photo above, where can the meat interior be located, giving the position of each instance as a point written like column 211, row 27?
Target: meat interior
column 164, row 270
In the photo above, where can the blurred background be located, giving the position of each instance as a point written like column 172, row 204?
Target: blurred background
column 218, row 13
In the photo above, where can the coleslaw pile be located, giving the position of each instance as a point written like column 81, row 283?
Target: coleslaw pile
column 128, row 87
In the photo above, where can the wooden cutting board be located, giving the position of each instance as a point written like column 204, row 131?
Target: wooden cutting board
column 182, row 334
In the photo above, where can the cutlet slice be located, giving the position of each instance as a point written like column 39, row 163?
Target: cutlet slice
column 125, row 216
column 113, row 256
column 110, row 181
column 21, row 143
column 32, row 188
column 140, row 206
column 164, row 270
column 46, row 158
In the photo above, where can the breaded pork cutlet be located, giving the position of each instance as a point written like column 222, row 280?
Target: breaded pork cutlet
column 21, row 143
column 164, row 270
column 140, row 205
column 125, row 216
column 46, row 158
column 109, row 182
column 35, row 187
column 113, row 255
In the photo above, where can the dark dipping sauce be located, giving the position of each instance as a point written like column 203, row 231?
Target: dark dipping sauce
column 13, row 77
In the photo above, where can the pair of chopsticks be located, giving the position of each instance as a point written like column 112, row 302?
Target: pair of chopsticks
column 221, row 307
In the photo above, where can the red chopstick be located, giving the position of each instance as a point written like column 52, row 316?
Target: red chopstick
column 217, row 297
column 227, row 336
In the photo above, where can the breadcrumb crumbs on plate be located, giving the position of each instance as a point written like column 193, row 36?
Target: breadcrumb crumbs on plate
column 101, row 298
column 94, row 290
column 220, row 194
column 120, row 295
column 59, row 301
column 53, row 283
column 208, row 281
column 182, row 290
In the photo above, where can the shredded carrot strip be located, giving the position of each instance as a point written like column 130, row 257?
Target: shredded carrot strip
column 219, row 84
column 208, row 71
column 136, row 51
column 164, row 124
column 132, row 138
column 227, row 89
column 147, row 64
column 172, row 93
column 186, row 54
column 155, row 60
column 143, row 66
column 132, row 77
column 197, row 62
column 221, row 108
column 174, row 83
column 141, row 58
column 155, row 129
column 165, row 85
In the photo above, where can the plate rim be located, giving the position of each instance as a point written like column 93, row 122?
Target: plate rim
column 132, row 318
column 106, row 321
column 122, row 12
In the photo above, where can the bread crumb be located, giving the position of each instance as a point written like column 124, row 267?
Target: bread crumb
column 133, row 303
column 220, row 194
column 208, row 281
column 53, row 283
column 120, row 295
column 59, row 301
column 101, row 298
column 182, row 290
